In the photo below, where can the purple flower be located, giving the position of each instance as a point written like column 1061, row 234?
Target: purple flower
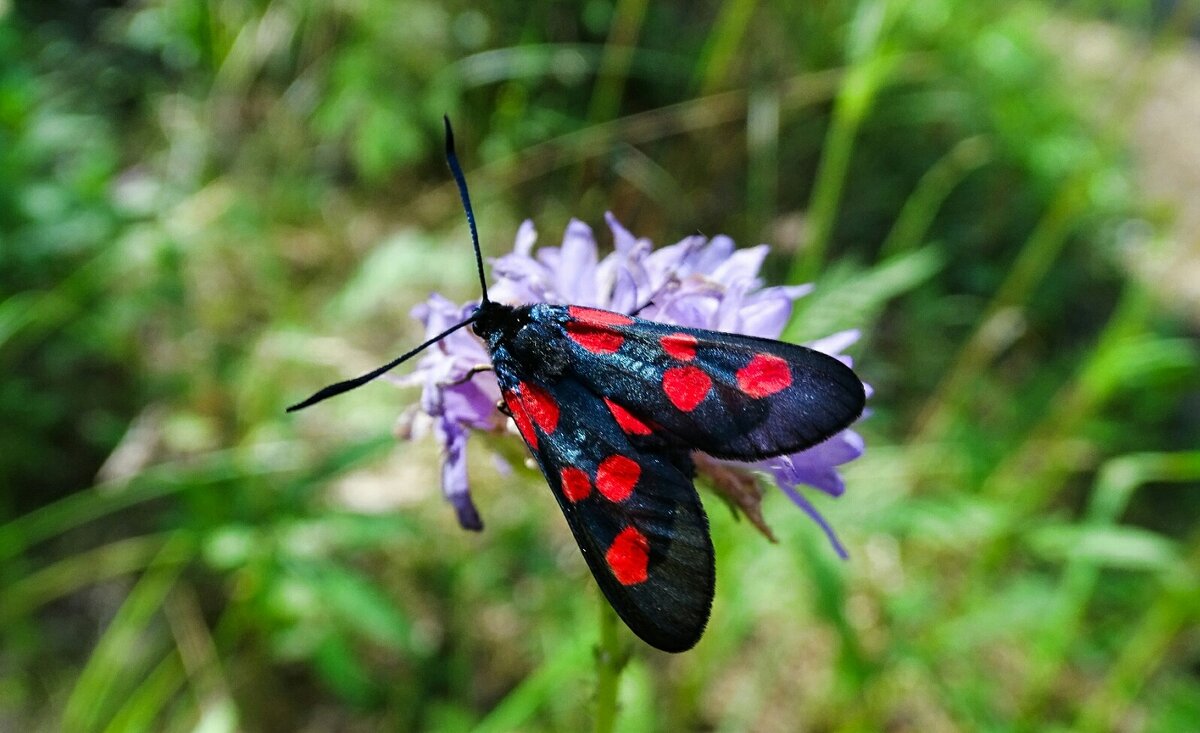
column 697, row 282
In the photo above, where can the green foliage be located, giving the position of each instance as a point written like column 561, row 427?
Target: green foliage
column 207, row 207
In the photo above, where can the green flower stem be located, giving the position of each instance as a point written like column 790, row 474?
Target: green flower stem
column 610, row 661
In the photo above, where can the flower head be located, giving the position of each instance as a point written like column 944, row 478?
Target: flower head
column 696, row 282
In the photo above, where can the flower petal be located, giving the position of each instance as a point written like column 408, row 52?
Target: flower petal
column 526, row 237
column 741, row 266
column 815, row 515
column 835, row 344
column 623, row 241
column 766, row 317
column 454, row 474
column 575, row 280
column 708, row 258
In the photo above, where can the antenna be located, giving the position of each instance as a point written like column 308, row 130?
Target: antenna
column 456, row 171
column 334, row 390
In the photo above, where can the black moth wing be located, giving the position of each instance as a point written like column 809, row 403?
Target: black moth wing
column 635, row 514
column 731, row 396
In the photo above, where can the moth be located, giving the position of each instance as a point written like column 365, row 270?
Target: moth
column 612, row 406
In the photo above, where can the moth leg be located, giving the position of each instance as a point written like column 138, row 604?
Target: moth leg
column 502, row 406
column 470, row 373
column 642, row 307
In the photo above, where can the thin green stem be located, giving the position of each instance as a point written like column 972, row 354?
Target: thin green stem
column 912, row 225
column 869, row 67
column 618, row 54
column 610, row 661
column 721, row 48
column 827, row 192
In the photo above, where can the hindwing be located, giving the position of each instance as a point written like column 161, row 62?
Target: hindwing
column 634, row 512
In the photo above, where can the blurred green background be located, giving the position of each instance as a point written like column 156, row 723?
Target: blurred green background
column 208, row 208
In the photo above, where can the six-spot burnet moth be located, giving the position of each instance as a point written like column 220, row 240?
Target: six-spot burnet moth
column 612, row 406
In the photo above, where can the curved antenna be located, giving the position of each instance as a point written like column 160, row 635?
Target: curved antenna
column 334, row 390
column 456, row 171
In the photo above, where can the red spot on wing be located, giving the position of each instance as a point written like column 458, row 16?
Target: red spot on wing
column 598, row 317
column 616, row 477
column 575, row 483
column 521, row 418
column 686, row 386
column 595, row 338
column 682, row 346
column 628, row 556
column 541, row 407
column 630, row 424
column 764, row 376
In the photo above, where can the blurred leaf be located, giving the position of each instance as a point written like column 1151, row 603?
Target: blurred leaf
column 1128, row 548
column 24, row 594
column 850, row 298
column 339, row 667
column 542, row 684
column 1141, row 363
column 145, row 704
column 359, row 605
column 219, row 716
column 951, row 520
column 113, row 667
column 403, row 262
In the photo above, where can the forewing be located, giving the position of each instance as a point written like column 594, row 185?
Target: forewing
column 728, row 395
column 634, row 513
